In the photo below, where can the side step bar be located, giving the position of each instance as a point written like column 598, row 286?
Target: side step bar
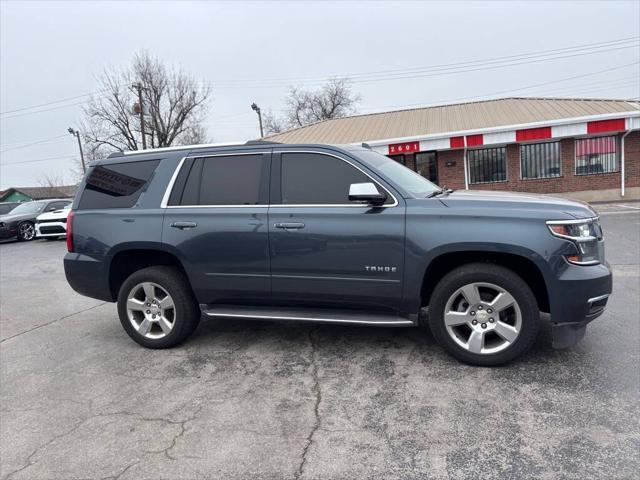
column 345, row 317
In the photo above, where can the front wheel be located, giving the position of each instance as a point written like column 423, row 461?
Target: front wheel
column 26, row 232
column 484, row 314
column 157, row 308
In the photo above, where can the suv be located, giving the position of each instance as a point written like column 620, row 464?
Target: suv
column 332, row 234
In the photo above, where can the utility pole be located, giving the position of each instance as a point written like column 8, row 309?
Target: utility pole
column 76, row 134
column 138, row 86
column 256, row 109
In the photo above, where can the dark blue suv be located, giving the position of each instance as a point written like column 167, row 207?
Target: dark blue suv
column 333, row 234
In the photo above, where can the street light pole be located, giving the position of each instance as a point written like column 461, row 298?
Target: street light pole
column 76, row 134
column 256, row 109
column 138, row 86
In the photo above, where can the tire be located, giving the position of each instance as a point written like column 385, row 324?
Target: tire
column 169, row 327
column 496, row 337
column 26, row 232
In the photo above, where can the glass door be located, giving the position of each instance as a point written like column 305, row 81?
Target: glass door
column 427, row 165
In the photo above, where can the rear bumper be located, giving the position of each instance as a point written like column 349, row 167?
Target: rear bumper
column 579, row 296
column 87, row 276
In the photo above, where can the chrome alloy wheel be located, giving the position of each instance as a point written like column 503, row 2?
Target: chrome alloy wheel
column 151, row 310
column 483, row 318
column 27, row 231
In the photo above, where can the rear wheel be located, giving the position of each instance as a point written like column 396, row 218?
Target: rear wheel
column 484, row 314
column 157, row 308
column 26, row 232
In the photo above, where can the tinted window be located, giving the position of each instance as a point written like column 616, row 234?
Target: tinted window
column 313, row 178
column 118, row 185
column 224, row 180
column 28, row 207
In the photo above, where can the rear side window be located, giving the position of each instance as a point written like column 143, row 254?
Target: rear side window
column 224, row 180
column 118, row 185
column 317, row 179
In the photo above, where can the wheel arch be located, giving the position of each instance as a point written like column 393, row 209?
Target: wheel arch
column 524, row 263
column 130, row 258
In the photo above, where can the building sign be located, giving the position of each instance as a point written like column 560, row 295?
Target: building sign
column 407, row 147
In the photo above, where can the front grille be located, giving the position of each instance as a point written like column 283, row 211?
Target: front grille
column 55, row 229
column 59, row 220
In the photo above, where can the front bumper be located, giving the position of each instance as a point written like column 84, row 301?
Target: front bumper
column 8, row 232
column 51, row 229
column 579, row 296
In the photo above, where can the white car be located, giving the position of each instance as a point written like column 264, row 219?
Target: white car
column 52, row 225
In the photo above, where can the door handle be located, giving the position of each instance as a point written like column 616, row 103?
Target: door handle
column 289, row 225
column 184, row 225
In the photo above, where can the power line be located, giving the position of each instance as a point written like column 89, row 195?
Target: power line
column 381, row 75
column 442, row 66
column 38, row 160
column 511, row 90
column 441, row 72
column 38, row 142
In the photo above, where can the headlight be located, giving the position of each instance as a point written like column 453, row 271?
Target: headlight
column 585, row 234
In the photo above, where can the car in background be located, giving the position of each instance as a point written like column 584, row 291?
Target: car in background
column 6, row 207
column 20, row 222
column 52, row 225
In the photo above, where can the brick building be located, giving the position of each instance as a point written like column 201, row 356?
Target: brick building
column 588, row 147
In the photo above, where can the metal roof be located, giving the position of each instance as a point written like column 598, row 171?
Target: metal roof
column 451, row 118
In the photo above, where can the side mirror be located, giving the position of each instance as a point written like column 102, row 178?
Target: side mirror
column 52, row 209
column 366, row 193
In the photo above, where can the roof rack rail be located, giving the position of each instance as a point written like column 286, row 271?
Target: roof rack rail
column 116, row 154
column 262, row 142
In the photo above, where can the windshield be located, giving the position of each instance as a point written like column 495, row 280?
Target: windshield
column 29, row 207
column 405, row 178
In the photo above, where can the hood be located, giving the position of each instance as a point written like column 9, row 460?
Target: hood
column 56, row 214
column 13, row 218
column 528, row 204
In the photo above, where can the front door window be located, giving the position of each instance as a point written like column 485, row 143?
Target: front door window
column 427, row 165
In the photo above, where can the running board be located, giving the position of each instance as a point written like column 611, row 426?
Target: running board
column 345, row 317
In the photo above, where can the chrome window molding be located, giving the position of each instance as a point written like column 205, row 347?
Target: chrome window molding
column 167, row 193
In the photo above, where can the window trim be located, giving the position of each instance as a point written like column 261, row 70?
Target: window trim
column 167, row 193
column 174, row 177
column 339, row 205
column 524, row 144
column 506, row 165
column 575, row 155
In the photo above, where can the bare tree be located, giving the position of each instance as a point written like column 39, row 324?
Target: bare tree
column 174, row 108
column 333, row 100
column 51, row 179
column 272, row 124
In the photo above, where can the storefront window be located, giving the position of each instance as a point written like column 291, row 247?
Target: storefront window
column 597, row 155
column 487, row 165
column 540, row 160
column 427, row 165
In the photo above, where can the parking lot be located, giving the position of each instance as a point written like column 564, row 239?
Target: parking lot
column 272, row 400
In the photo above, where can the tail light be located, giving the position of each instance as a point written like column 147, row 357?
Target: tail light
column 70, row 231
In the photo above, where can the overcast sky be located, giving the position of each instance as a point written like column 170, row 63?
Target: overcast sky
column 52, row 50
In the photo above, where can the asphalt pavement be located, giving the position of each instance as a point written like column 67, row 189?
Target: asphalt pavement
column 268, row 400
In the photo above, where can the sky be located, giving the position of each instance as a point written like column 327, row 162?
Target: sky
column 254, row 51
